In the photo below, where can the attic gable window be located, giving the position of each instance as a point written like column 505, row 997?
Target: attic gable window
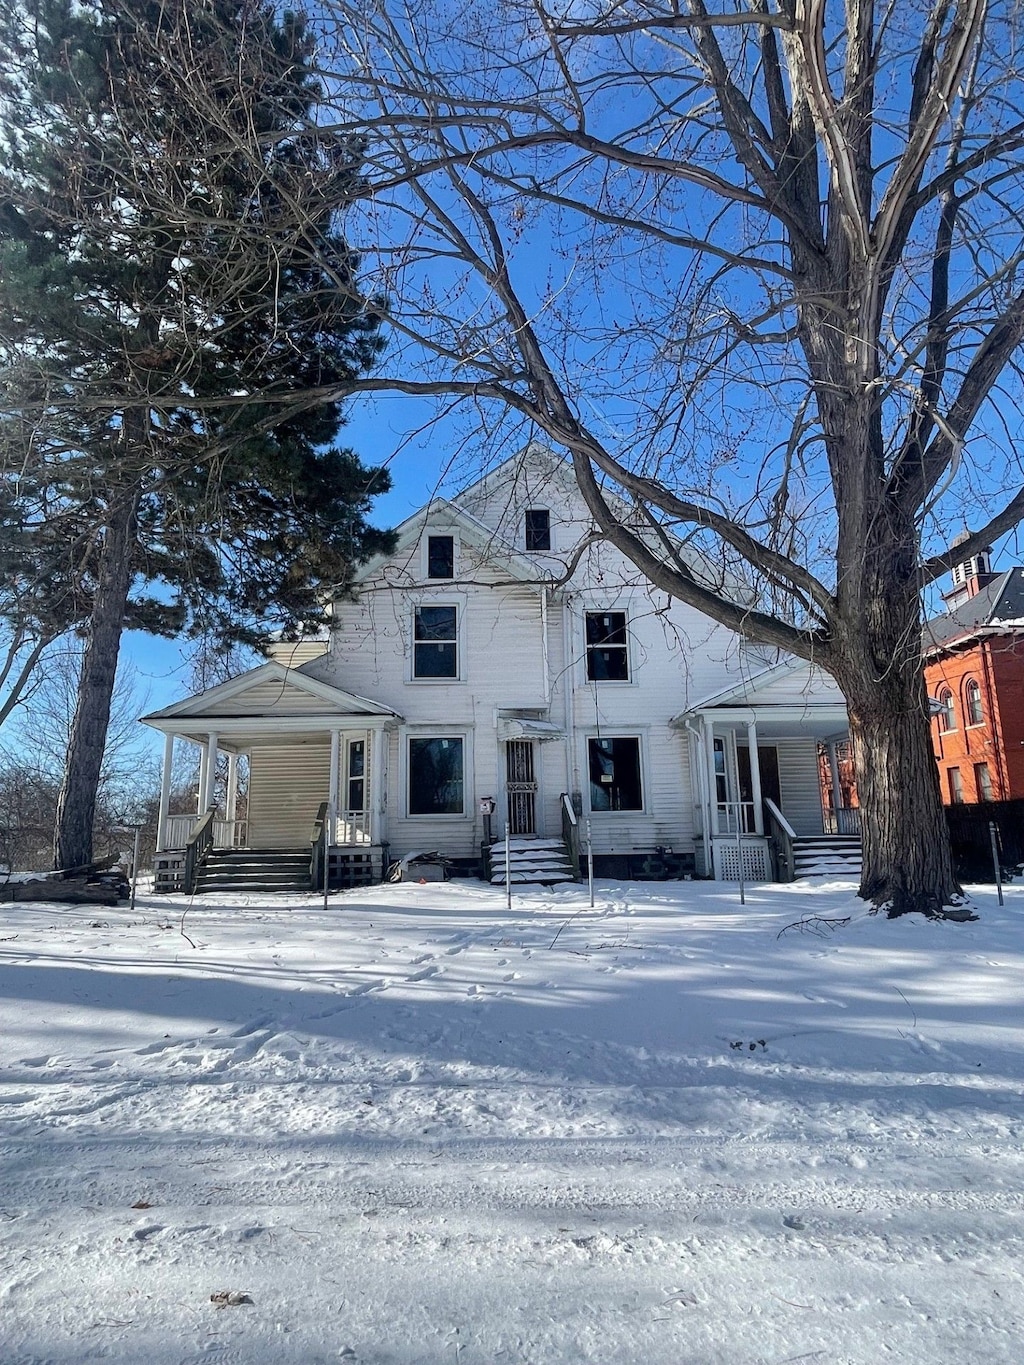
column 440, row 556
column 538, row 528
column 607, row 647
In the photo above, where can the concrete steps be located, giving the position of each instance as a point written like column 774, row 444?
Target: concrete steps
column 251, row 869
column 827, row 855
column 542, row 862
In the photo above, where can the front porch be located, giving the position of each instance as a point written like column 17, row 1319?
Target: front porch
column 315, row 762
column 762, row 810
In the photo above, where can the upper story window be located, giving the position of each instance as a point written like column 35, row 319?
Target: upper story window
column 440, row 556
column 435, row 649
column 972, row 703
column 538, row 528
column 607, row 646
column 947, row 716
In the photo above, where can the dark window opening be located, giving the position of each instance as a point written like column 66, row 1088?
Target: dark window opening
column 440, row 556
column 615, row 774
column 538, row 528
column 436, row 777
column 356, row 774
column 607, row 648
column 435, row 644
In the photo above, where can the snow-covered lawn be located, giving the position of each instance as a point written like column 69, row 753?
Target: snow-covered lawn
column 419, row 1127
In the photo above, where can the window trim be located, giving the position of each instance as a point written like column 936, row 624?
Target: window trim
column 408, row 734
column 639, row 735
column 456, row 605
column 622, row 611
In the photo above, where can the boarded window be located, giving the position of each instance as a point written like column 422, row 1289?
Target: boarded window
column 436, row 781
column 607, row 647
column 435, row 643
column 615, row 774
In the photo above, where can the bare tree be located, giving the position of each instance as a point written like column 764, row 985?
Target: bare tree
column 755, row 264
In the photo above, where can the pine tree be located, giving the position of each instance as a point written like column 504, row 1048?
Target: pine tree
column 176, row 289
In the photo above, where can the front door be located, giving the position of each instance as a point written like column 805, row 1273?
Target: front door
column 768, row 766
column 521, row 786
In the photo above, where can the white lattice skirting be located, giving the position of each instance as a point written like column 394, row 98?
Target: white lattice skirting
column 757, row 862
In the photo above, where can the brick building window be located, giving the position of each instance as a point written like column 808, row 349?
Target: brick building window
column 983, row 781
column 972, row 703
column 947, row 716
column 956, row 786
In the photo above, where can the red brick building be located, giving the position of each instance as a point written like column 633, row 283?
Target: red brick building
column 974, row 672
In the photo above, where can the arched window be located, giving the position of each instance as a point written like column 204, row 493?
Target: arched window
column 947, row 716
column 972, row 703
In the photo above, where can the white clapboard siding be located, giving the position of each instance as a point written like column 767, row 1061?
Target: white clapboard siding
column 286, row 786
column 799, row 785
column 272, row 697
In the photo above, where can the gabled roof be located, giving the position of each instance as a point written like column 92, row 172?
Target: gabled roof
column 790, row 683
column 996, row 609
column 230, row 699
column 472, row 531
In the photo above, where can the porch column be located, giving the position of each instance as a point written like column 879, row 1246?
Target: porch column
column 201, row 786
column 231, row 796
column 375, row 792
column 837, row 786
column 755, row 777
column 709, row 754
column 332, row 790
column 165, row 793
column 211, row 771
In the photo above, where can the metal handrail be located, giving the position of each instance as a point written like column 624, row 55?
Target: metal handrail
column 200, row 841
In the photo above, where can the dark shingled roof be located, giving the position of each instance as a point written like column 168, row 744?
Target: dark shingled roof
column 998, row 603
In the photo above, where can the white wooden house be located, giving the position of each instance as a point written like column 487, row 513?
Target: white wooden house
column 499, row 657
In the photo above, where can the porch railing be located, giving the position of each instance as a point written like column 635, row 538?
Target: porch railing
column 226, row 833
column 200, row 841
column 845, row 820
column 731, row 811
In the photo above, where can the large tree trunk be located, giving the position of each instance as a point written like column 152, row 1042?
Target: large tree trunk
column 907, row 863
column 76, row 806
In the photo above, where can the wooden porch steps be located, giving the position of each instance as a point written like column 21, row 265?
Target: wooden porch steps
column 531, row 861
column 253, row 869
column 827, row 855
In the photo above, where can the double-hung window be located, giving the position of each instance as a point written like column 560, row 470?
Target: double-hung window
column 972, row 703
column 607, row 646
column 435, row 647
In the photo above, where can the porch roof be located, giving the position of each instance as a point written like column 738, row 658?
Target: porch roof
column 270, row 704
column 792, row 698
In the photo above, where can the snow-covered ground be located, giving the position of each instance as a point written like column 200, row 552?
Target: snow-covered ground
column 420, row 1127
